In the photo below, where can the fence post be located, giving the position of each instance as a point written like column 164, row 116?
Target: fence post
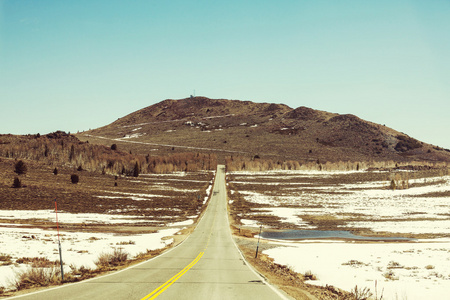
column 59, row 243
column 259, row 236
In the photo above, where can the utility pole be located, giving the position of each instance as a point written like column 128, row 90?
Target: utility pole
column 59, row 243
column 259, row 237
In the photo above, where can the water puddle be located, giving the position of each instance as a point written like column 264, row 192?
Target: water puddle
column 324, row 234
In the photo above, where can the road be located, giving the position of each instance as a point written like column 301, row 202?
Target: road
column 207, row 265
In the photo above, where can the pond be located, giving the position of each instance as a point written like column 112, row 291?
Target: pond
column 324, row 234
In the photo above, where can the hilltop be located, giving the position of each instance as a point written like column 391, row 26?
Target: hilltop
column 266, row 130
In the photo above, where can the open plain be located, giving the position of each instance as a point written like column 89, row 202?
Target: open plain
column 401, row 243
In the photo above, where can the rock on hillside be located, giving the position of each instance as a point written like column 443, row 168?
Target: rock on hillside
column 263, row 129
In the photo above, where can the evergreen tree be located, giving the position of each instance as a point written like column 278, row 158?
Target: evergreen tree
column 17, row 183
column 72, row 153
column 136, row 170
column 74, row 178
column 20, row 168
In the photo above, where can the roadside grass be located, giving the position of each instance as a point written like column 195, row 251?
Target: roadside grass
column 37, row 262
column 361, row 294
column 108, row 260
column 42, row 272
column 37, row 276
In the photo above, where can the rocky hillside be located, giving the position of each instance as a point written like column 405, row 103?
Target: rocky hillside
column 232, row 127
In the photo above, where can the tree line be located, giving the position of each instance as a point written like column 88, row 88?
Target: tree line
column 62, row 149
column 255, row 163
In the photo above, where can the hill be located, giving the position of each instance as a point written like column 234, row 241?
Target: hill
column 265, row 130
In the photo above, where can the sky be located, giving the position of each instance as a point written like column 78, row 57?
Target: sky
column 78, row 65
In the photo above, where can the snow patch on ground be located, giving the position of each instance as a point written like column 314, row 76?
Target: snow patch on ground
column 416, row 227
column 70, row 218
column 132, row 136
column 287, row 215
column 402, row 270
column 413, row 270
column 78, row 248
column 251, row 223
column 182, row 223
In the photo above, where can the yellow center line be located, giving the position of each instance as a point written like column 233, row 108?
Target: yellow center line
column 172, row 280
column 155, row 293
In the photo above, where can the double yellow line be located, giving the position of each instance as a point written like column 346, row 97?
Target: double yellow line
column 172, row 280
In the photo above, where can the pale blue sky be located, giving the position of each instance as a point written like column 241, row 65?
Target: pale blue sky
column 75, row 65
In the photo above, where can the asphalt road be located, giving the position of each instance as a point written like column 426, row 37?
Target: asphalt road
column 207, row 265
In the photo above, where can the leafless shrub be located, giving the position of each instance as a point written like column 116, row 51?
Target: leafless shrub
column 429, row 267
column 38, row 262
column 5, row 259
column 107, row 260
column 309, row 276
column 38, row 277
column 354, row 263
column 394, row 265
column 361, row 294
column 81, row 273
column 130, row 242
column 390, row 275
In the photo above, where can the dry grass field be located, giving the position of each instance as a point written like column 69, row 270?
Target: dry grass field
column 149, row 196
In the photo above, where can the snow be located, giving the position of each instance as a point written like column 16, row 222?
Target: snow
column 181, row 223
column 132, row 136
column 270, row 183
column 371, row 201
column 408, row 270
column 127, row 139
column 251, row 223
column 419, row 270
column 208, row 192
column 418, row 227
column 78, row 248
column 23, row 239
column 287, row 215
column 63, row 217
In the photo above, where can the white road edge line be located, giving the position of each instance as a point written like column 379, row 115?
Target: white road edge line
column 120, row 271
column 276, row 290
